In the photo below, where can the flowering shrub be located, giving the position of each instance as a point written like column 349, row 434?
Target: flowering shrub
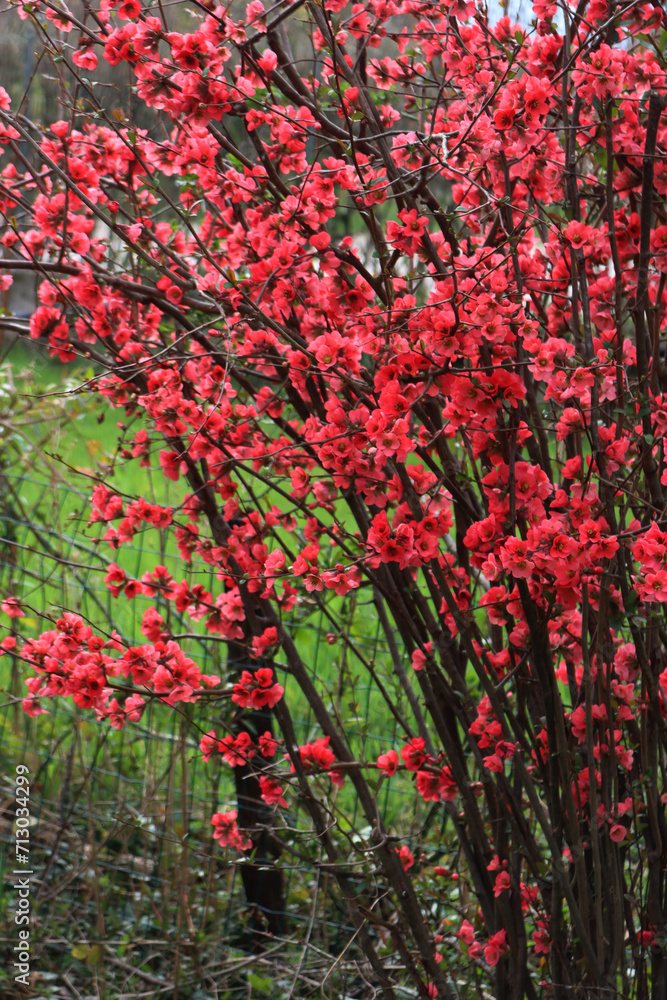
column 456, row 414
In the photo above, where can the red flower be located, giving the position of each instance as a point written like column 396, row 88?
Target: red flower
column 406, row 856
column 12, row 607
column 272, row 791
column 542, row 939
column 115, row 579
column 268, row 745
column 388, row 762
column 413, row 754
column 171, row 464
column 129, row 9
column 504, row 118
column 317, row 754
column 495, row 948
column 257, row 690
column 227, row 831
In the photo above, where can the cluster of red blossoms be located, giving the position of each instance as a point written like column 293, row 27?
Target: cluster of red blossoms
column 454, row 414
column 72, row 660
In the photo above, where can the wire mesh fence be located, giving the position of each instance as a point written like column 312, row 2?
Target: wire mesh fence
column 131, row 896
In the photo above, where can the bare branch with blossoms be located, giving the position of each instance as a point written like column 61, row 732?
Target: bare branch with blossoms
column 389, row 316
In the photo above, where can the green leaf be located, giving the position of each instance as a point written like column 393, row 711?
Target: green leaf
column 94, row 956
column 263, row 986
column 80, row 951
column 631, row 602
